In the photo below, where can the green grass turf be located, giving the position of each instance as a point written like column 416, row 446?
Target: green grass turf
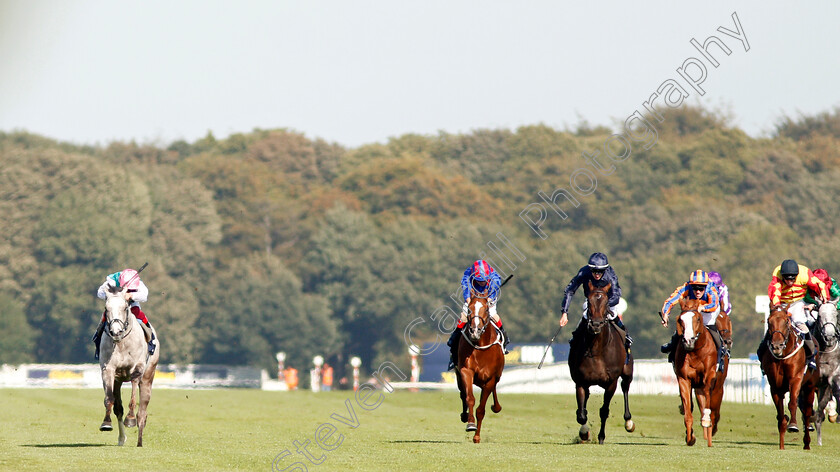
column 208, row 430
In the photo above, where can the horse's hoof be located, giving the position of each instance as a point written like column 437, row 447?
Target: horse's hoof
column 584, row 432
column 476, row 439
column 691, row 441
column 629, row 426
column 130, row 422
column 471, row 427
column 793, row 428
column 106, row 426
column 496, row 408
column 832, row 418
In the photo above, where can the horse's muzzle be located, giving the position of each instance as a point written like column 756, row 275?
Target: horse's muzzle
column 595, row 326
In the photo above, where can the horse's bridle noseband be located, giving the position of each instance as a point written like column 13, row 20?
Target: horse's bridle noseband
column 124, row 330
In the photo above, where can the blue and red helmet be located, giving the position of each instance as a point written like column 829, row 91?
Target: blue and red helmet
column 481, row 271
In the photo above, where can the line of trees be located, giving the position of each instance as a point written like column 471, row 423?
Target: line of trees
column 271, row 241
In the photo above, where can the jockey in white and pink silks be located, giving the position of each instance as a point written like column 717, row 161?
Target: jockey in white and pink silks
column 481, row 277
column 136, row 292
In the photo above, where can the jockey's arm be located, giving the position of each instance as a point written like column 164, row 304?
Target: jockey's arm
column 102, row 292
column 142, row 293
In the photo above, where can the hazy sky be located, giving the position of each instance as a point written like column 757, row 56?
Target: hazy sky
column 362, row 71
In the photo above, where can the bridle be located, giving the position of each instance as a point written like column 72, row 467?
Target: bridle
column 125, row 326
column 786, row 337
column 480, row 328
column 692, row 340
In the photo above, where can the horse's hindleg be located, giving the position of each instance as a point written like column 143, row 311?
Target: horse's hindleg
column 131, row 419
column 497, row 407
column 626, row 378
column 824, row 395
column 688, row 418
column 605, row 410
column 806, row 405
column 118, row 412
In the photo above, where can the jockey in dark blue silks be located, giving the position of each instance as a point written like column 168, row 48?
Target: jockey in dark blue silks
column 481, row 277
column 597, row 271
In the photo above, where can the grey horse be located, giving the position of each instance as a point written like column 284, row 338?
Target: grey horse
column 125, row 358
column 828, row 336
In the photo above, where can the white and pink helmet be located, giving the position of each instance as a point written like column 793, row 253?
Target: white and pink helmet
column 129, row 279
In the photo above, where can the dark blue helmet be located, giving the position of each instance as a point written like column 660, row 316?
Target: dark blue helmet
column 789, row 267
column 598, row 261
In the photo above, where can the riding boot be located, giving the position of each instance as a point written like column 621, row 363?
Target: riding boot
column 810, row 352
column 719, row 345
column 671, row 347
column 506, row 340
column 453, row 347
column 97, row 336
column 150, row 336
column 628, row 341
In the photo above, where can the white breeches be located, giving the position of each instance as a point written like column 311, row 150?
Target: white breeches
column 797, row 313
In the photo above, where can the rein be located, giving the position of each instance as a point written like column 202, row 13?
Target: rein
column 786, row 336
column 483, row 328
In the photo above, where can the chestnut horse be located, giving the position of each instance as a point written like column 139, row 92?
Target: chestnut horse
column 784, row 365
column 480, row 363
column 696, row 367
column 599, row 358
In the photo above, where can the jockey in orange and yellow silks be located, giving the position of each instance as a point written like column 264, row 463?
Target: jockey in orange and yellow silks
column 789, row 284
column 698, row 287
column 136, row 292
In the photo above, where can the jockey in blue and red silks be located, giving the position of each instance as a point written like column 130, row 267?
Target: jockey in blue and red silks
column 481, row 277
column 136, row 292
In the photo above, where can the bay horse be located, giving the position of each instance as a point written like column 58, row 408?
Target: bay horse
column 125, row 358
column 696, row 368
column 481, row 359
column 600, row 358
column 828, row 338
column 784, row 365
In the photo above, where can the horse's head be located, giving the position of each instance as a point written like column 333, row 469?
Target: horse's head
column 689, row 323
column 598, row 305
column 116, row 312
column 779, row 328
column 828, row 324
column 479, row 311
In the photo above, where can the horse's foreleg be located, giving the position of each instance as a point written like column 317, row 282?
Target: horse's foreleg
column 582, row 395
column 130, row 419
column 795, row 387
column 605, row 410
column 626, row 378
column 488, row 387
column 704, row 403
column 467, row 379
column 118, row 412
column 781, row 418
column 108, row 386
column 688, row 418
column 145, row 387
column 824, row 395
column 463, row 393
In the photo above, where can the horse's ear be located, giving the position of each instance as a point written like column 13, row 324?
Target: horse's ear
column 607, row 287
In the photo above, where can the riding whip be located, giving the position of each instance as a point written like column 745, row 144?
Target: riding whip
column 548, row 347
column 137, row 274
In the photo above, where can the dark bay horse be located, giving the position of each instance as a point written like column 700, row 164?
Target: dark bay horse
column 599, row 358
column 696, row 368
column 480, row 363
column 828, row 338
column 125, row 358
column 784, row 365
